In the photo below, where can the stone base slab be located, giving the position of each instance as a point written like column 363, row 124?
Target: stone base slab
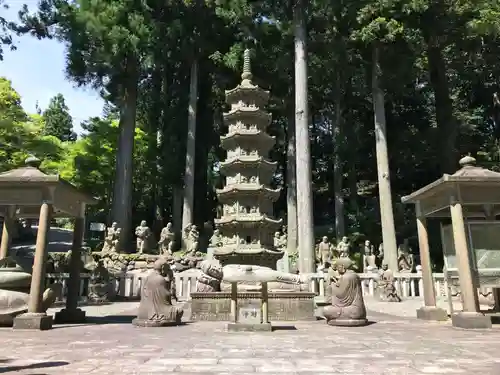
column 432, row 313
column 154, row 323
column 38, row 321
column 282, row 306
column 471, row 320
column 70, row 316
column 347, row 322
column 246, row 327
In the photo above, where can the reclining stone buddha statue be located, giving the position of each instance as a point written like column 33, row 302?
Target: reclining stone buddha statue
column 15, row 281
column 216, row 278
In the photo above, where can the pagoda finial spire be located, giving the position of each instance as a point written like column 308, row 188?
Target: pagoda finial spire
column 247, row 73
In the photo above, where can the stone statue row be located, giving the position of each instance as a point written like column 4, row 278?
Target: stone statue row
column 326, row 252
column 145, row 241
column 385, row 289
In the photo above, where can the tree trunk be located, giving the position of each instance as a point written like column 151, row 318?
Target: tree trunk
column 291, row 188
column 154, row 145
column 447, row 126
column 188, row 205
column 304, row 188
column 338, row 176
column 122, row 197
column 384, row 183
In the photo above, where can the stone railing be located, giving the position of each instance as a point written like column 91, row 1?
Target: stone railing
column 128, row 287
column 408, row 285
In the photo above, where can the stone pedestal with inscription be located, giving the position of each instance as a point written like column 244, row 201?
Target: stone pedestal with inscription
column 282, row 306
column 249, row 316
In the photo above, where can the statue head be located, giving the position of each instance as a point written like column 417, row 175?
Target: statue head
column 343, row 265
column 212, row 269
column 162, row 267
column 194, row 228
column 169, row 226
column 216, row 232
column 367, row 243
column 325, row 239
column 143, row 223
column 276, row 234
column 114, row 225
column 344, row 239
column 385, row 266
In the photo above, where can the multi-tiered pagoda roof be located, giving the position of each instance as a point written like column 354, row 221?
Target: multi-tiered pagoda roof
column 247, row 224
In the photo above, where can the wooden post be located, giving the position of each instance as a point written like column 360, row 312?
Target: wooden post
column 234, row 302
column 265, row 304
column 72, row 314
column 7, row 231
column 470, row 317
column 429, row 311
column 468, row 287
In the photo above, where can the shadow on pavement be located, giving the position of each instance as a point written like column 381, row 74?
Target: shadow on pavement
column 283, row 328
column 6, row 369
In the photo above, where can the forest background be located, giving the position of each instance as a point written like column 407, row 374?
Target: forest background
column 437, row 64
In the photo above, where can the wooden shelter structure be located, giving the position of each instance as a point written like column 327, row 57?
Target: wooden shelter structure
column 27, row 192
column 470, row 193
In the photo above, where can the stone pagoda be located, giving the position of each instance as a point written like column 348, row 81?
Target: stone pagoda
column 247, row 225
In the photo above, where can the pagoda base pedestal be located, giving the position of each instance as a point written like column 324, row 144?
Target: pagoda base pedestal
column 282, row 306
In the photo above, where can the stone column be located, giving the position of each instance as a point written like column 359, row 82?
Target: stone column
column 72, row 314
column 429, row 311
column 470, row 317
column 8, row 224
column 36, row 318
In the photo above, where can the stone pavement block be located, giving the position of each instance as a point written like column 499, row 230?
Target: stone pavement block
column 391, row 346
column 277, row 368
column 440, row 370
column 216, row 369
column 183, row 361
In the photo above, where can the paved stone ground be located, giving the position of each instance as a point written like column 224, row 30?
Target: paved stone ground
column 408, row 308
column 111, row 345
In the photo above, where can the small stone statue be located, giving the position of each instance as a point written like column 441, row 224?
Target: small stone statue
column 333, row 273
column 167, row 237
column 100, row 286
column 324, row 251
column 194, row 238
column 156, row 308
column 144, row 236
column 210, row 279
column 216, row 239
column 346, row 297
column 344, row 247
column 277, row 240
column 369, row 259
column 385, row 285
column 112, row 238
column 283, row 241
column 380, row 255
column 405, row 257
column 185, row 236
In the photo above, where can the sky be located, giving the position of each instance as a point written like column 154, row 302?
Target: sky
column 36, row 70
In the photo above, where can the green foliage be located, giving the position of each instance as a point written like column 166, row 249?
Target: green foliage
column 440, row 66
column 6, row 29
column 58, row 121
